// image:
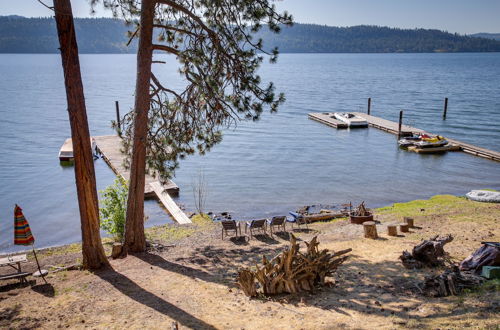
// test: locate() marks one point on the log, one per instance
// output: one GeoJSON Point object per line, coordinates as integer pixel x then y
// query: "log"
{"type": "Point", "coordinates": [403, 227]}
{"type": "Point", "coordinates": [392, 230]}
{"type": "Point", "coordinates": [450, 282]}
{"type": "Point", "coordinates": [370, 229]}
{"type": "Point", "coordinates": [409, 221]}
{"type": "Point", "coordinates": [116, 250]}
{"type": "Point", "coordinates": [429, 253]}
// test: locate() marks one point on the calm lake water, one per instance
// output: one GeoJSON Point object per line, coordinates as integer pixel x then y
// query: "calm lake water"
{"type": "Point", "coordinates": [264, 168]}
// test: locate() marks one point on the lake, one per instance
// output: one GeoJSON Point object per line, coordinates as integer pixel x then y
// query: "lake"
{"type": "Point", "coordinates": [265, 168]}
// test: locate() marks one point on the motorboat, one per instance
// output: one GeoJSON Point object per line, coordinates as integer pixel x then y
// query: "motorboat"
{"type": "Point", "coordinates": [427, 141]}
{"type": "Point", "coordinates": [422, 141]}
{"type": "Point", "coordinates": [350, 119]}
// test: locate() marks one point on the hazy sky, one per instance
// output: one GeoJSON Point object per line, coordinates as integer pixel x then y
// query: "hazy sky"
{"type": "Point", "coordinates": [462, 16]}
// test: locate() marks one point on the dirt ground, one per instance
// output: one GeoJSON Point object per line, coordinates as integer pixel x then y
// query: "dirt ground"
{"type": "Point", "coordinates": [192, 280]}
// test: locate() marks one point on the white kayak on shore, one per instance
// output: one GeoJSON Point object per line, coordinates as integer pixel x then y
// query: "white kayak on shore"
{"type": "Point", "coordinates": [351, 119]}
{"type": "Point", "coordinates": [484, 196]}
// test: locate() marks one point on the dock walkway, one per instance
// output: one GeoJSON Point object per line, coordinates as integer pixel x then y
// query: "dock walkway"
{"type": "Point", "coordinates": [393, 127]}
{"type": "Point", "coordinates": [110, 148]}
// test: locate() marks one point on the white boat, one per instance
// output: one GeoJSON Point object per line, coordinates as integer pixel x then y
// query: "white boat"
{"type": "Point", "coordinates": [351, 119]}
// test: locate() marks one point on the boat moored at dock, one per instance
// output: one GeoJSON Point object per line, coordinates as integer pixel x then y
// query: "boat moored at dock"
{"type": "Point", "coordinates": [351, 119]}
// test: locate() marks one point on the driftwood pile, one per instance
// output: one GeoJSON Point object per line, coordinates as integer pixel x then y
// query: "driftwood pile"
{"type": "Point", "coordinates": [429, 253]}
{"type": "Point", "coordinates": [361, 211]}
{"type": "Point", "coordinates": [291, 271]}
{"type": "Point", "coordinates": [451, 282]}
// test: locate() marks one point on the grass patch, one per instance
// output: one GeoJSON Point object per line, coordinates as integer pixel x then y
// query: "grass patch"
{"type": "Point", "coordinates": [172, 232]}
{"type": "Point", "coordinates": [436, 205]}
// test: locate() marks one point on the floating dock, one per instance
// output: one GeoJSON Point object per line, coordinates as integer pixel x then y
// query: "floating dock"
{"type": "Point", "coordinates": [327, 118]}
{"type": "Point", "coordinates": [393, 128]}
{"type": "Point", "coordinates": [109, 146]}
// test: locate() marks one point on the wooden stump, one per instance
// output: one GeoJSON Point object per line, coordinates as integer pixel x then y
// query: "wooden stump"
{"type": "Point", "coordinates": [370, 229]}
{"type": "Point", "coordinates": [409, 222]}
{"type": "Point", "coordinates": [403, 227]}
{"type": "Point", "coordinates": [392, 230]}
{"type": "Point", "coordinates": [117, 250]}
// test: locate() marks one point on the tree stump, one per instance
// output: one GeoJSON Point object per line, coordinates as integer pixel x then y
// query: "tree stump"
{"type": "Point", "coordinates": [409, 222]}
{"type": "Point", "coordinates": [403, 227]}
{"type": "Point", "coordinates": [370, 229]}
{"type": "Point", "coordinates": [117, 250]}
{"type": "Point", "coordinates": [392, 230]}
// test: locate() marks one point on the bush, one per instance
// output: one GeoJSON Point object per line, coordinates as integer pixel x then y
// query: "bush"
{"type": "Point", "coordinates": [113, 209]}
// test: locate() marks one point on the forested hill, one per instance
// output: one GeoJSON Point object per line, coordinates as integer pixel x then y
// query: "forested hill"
{"type": "Point", "coordinates": [106, 35]}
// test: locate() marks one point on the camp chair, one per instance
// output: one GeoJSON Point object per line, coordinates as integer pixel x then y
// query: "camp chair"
{"type": "Point", "coordinates": [279, 221]}
{"type": "Point", "coordinates": [297, 219]}
{"type": "Point", "coordinates": [228, 225]}
{"type": "Point", "coordinates": [256, 225]}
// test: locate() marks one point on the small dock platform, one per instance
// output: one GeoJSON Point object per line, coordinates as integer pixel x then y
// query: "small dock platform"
{"type": "Point", "coordinates": [327, 118]}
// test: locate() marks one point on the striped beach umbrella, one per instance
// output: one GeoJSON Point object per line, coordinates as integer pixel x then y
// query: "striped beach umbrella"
{"type": "Point", "coordinates": [22, 231]}
{"type": "Point", "coordinates": [23, 236]}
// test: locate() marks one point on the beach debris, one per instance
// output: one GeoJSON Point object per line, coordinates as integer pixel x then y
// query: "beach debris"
{"type": "Point", "coordinates": [487, 255]}
{"type": "Point", "coordinates": [360, 214]}
{"type": "Point", "coordinates": [291, 271]}
{"type": "Point", "coordinates": [451, 282]}
{"type": "Point", "coordinates": [429, 253]}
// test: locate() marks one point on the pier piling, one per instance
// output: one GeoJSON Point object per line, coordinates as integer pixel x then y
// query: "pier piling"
{"type": "Point", "coordinates": [445, 107]}
{"type": "Point", "coordinates": [400, 123]}
{"type": "Point", "coordinates": [118, 123]}
{"type": "Point", "coordinates": [369, 105]}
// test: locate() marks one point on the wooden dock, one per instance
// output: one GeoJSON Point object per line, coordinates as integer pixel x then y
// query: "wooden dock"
{"type": "Point", "coordinates": [169, 203]}
{"type": "Point", "coordinates": [110, 148]}
{"type": "Point", "coordinates": [327, 118]}
{"type": "Point", "coordinates": [393, 127]}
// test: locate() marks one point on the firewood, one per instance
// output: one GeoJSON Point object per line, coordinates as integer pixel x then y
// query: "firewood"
{"type": "Point", "coordinates": [292, 271]}
{"type": "Point", "coordinates": [450, 282]}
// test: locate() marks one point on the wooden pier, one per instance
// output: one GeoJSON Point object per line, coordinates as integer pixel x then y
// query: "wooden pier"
{"type": "Point", "coordinates": [327, 118]}
{"type": "Point", "coordinates": [393, 127]}
{"type": "Point", "coordinates": [109, 146]}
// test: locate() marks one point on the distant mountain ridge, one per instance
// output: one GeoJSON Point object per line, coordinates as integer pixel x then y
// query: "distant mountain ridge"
{"type": "Point", "coordinates": [107, 35]}
{"type": "Point", "coordinates": [494, 36]}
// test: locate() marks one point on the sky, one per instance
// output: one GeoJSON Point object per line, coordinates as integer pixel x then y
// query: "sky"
{"type": "Point", "coordinates": [461, 16]}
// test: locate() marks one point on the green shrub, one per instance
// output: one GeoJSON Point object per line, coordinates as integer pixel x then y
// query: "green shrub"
{"type": "Point", "coordinates": [113, 209]}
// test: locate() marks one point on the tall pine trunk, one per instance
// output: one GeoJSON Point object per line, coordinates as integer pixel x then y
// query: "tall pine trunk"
{"type": "Point", "coordinates": [93, 252]}
{"type": "Point", "coordinates": [135, 240]}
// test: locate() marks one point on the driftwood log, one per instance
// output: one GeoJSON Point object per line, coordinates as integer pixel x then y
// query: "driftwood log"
{"type": "Point", "coordinates": [291, 271]}
{"type": "Point", "coordinates": [451, 282]}
{"type": "Point", "coordinates": [429, 253]}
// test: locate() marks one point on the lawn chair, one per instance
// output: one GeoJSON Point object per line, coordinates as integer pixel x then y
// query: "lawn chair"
{"type": "Point", "coordinates": [228, 225]}
{"type": "Point", "coordinates": [297, 219]}
{"type": "Point", "coordinates": [279, 221]}
{"type": "Point", "coordinates": [259, 225]}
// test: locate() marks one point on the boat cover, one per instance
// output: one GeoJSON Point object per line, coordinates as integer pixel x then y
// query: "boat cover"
{"type": "Point", "coordinates": [484, 196]}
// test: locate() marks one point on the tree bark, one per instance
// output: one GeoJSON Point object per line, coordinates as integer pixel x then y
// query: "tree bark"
{"type": "Point", "coordinates": [135, 240]}
{"type": "Point", "coordinates": [93, 252]}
